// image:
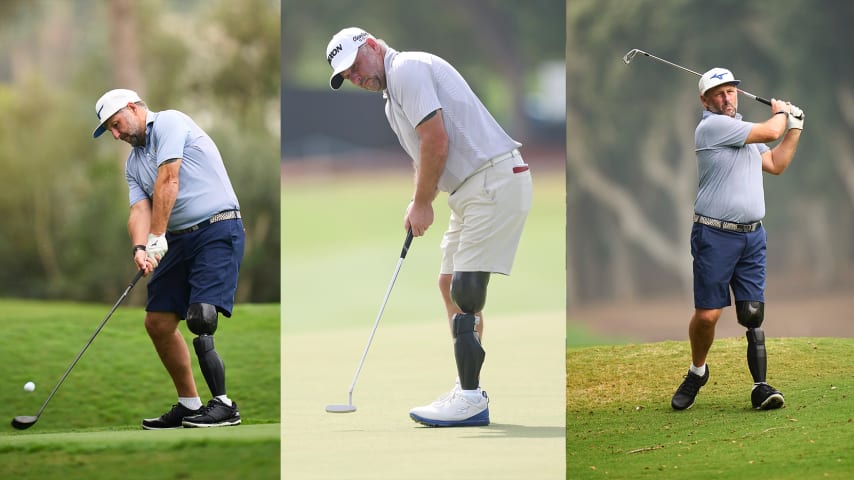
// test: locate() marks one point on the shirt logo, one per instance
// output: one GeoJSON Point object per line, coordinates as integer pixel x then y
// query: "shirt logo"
{"type": "Point", "coordinates": [335, 51]}
{"type": "Point", "coordinates": [719, 76]}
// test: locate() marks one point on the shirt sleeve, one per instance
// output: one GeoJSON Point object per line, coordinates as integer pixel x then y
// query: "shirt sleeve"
{"type": "Point", "coordinates": [726, 131]}
{"type": "Point", "coordinates": [169, 133]}
{"type": "Point", "coordinates": [416, 90]}
{"type": "Point", "coordinates": [135, 191]}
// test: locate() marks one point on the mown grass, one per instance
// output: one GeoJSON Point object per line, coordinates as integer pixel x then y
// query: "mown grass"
{"type": "Point", "coordinates": [120, 380]}
{"type": "Point", "coordinates": [620, 423]}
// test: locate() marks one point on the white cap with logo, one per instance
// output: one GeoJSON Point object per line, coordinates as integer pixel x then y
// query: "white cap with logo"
{"type": "Point", "coordinates": [716, 76]}
{"type": "Point", "coordinates": [342, 50]}
{"type": "Point", "coordinates": [110, 103]}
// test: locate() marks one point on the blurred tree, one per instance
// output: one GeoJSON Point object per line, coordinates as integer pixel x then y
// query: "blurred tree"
{"type": "Point", "coordinates": [496, 44]}
{"type": "Point", "coordinates": [65, 209]}
{"type": "Point", "coordinates": [631, 164]}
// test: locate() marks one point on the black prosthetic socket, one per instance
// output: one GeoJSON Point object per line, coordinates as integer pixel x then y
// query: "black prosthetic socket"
{"type": "Point", "coordinates": [468, 290]}
{"type": "Point", "coordinates": [467, 351]}
{"type": "Point", "coordinates": [211, 364]}
{"type": "Point", "coordinates": [751, 315]}
{"type": "Point", "coordinates": [757, 360]}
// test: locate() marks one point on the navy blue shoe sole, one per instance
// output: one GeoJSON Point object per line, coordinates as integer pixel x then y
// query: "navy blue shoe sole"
{"type": "Point", "coordinates": [479, 420]}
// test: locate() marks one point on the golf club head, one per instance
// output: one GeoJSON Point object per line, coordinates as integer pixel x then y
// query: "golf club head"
{"type": "Point", "coordinates": [24, 422]}
{"type": "Point", "coordinates": [630, 55]}
{"type": "Point", "coordinates": [340, 408]}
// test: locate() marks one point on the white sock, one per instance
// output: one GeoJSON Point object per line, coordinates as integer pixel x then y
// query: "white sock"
{"type": "Point", "coordinates": [193, 403]}
{"type": "Point", "coordinates": [224, 399]}
{"type": "Point", "coordinates": [701, 370]}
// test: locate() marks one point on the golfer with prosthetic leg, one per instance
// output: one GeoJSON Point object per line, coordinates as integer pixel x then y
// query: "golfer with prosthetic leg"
{"type": "Point", "coordinates": [456, 147]}
{"type": "Point", "coordinates": [727, 238]}
{"type": "Point", "coordinates": [187, 234]}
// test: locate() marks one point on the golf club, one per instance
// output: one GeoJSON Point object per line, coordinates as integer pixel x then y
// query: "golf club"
{"type": "Point", "coordinates": [349, 407]}
{"type": "Point", "coordinates": [631, 55]}
{"type": "Point", "coordinates": [25, 421]}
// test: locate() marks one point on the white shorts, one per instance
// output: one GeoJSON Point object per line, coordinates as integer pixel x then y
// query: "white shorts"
{"type": "Point", "coordinates": [488, 212]}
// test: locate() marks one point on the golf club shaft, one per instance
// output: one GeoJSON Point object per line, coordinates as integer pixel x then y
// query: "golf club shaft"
{"type": "Point", "coordinates": [628, 58]}
{"type": "Point", "coordinates": [403, 252]}
{"type": "Point", "coordinates": [92, 338]}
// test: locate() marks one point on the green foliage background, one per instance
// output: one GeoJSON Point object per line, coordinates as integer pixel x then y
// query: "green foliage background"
{"type": "Point", "coordinates": [63, 230]}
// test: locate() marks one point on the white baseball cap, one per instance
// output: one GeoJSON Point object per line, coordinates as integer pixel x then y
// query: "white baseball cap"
{"type": "Point", "coordinates": [110, 103]}
{"type": "Point", "coordinates": [341, 52]}
{"type": "Point", "coordinates": [716, 76]}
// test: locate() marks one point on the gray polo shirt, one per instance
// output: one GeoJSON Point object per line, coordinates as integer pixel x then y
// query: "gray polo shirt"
{"type": "Point", "coordinates": [730, 171]}
{"type": "Point", "coordinates": [417, 84]}
{"type": "Point", "coordinates": [204, 188]}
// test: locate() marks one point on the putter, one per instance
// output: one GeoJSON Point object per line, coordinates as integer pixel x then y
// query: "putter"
{"type": "Point", "coordinates": [631, 55]}
{"type": "Point", "coordinates": [24, 422]}
{"type": "Point", "coordinates": [349, 407]}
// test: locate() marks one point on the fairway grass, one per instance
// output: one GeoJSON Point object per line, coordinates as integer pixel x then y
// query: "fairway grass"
{"type": "Point", "coordinates": [91, 427]}
{"type": "Point", "coordinates": [247, 451]}
{"type": "Point", "coordinates": [620, 424]}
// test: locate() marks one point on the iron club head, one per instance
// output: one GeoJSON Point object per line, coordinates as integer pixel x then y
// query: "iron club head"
{"type": "Point", "coordinates": [630, 55]}
{"type": "Point", "coordinates": [24, 422]}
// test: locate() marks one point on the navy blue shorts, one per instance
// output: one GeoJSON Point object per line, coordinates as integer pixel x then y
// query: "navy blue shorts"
{"type": "Point", "coordinates": [724, 260]}
{"type": "Point", "coordinates": [199, 267]}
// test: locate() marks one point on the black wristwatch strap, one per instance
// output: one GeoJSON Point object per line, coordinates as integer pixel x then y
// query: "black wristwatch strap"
{"type": "Point", "coordinates": [138, 247]}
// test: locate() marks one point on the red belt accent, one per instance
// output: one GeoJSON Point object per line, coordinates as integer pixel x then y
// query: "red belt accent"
{"type": "Point", "coordinates": [520, 169]}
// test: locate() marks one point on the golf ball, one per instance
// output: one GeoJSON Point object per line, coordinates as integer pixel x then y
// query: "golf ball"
{"type": "Point", "coordinates": [29, 386]}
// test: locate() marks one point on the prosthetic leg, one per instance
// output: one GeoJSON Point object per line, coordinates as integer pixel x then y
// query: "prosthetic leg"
{"type": "Point", "coordinates": [220, 411]}
{"type": "Point", "coordinates": [202, 320]}
{"type": "Point", "coordinates": [751, 315]}
{"type": "Point", "coordinates": [468, 290]}
{"type": "Point", "coordinates": [468, 406]}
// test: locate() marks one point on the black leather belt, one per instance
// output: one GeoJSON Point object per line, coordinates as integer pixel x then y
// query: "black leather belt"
{"type": "Point", "coordinates": [224, 215]}
{"type": "Point", "coordinates": [724, 225]}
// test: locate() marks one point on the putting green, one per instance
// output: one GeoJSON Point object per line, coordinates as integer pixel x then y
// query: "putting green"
{"type": "Point", "coordinates": [341, 237]}
{"type": "Point", "coordinates": [410, 365]}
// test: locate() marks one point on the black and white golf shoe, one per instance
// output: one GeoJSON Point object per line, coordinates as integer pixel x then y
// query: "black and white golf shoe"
{"type": "Point", "coordinates": [214, 414]}
{"type": "Point", "coordinates": [170, 419]}
{"type": "Point", "coordinates": [766, 397]}
{"type": "Point", "coordinates": [687, 392]}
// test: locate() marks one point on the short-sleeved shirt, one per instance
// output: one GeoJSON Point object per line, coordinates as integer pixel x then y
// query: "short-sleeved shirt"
{"type": "Point", "coordinates": [418, 84]}
{"type": "Point", "coordinates": [204, 188]}
{"type": "Point", "coordinates": [730, 171]}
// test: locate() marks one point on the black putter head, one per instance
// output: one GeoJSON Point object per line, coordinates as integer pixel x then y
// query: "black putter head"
{"type": "Point", "coordinates": [24, 422]}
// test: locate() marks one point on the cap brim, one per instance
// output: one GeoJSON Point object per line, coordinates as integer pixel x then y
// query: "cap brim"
{"type": "Point", "coordinates": [731, 82]}
{"type": "Point", "coordinates": [336, 80]}
{"type": "Point", "coordinates": [98, 131]}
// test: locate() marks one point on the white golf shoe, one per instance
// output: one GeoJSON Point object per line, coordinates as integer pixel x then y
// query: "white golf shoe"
{"type": "Point", "coordinates": [454, 410]}
{"type": "Point", "coordinates": [445, 396]}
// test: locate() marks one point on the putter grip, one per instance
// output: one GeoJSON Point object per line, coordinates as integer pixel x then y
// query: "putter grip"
{"type": "Point", "coordinates": [406, 244]}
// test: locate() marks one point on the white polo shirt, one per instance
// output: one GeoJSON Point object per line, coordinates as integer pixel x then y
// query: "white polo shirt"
{"type": "Point", "coordinates": [419, 83]}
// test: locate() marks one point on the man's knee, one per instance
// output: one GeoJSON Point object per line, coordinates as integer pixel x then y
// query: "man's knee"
{"type": "Point", "coordinates": [750, 314]}
{"type": "Point", "coordinates": [160, 324]}
{"type": "Point", "coordinates": [202, 318]}
{"type": "Point", "coordinates": [468, 290]}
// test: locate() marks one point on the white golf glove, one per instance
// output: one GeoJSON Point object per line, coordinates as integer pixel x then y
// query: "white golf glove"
{"type": "Point", "coordinates": [156, 248]}
{"type": "Point", "coordinates": [792, 119]}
